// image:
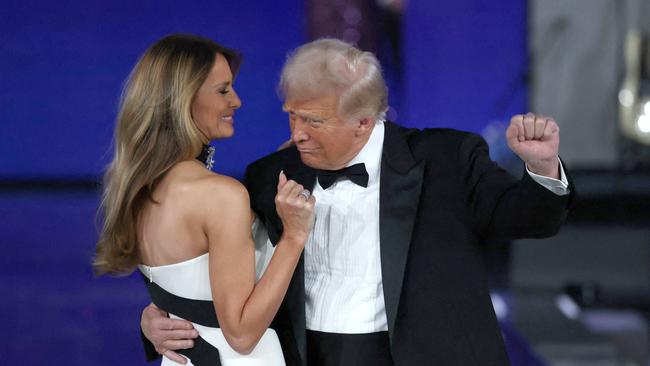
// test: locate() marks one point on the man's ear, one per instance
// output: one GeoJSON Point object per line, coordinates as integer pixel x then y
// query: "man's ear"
{"type": "Point", "coordinates": [365, 125]}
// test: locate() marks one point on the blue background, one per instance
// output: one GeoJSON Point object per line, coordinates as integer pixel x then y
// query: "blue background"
{"type": "Point", "coordinates": [63, 65]}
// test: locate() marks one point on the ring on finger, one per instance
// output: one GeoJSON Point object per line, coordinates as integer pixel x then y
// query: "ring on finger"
{"type": "Point", "coordinates": [305, 193]}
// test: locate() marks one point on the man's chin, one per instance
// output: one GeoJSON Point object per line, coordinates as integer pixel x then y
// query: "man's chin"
{"type": "Point", "coordinates": [309, 160]}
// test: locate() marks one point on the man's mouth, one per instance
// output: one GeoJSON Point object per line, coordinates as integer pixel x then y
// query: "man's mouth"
{"type": "Point", "coordinates": [306, 150]}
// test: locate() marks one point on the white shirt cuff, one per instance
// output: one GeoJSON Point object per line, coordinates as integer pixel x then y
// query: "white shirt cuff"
{"type": "Point", "coordinates": [559, 187]}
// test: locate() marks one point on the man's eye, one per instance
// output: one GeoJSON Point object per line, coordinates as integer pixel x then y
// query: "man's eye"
{"type": "Point", "coordinates": [224, 91]}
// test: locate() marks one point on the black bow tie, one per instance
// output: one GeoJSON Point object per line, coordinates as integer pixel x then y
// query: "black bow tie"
{"type": "Point", "coordinates": [356, 173]}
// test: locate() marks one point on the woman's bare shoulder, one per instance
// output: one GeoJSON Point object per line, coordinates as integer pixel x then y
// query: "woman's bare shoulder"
{"type": "Point", "coordinates": [217, 191]}
{"type": "Point", "coordinates": [193, 186]}
{"type": "Point", "coordinates": [222, 187]}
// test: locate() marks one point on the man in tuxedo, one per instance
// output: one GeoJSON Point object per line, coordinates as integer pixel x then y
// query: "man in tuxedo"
{"type": "Point", "coordinates": [392, 273]}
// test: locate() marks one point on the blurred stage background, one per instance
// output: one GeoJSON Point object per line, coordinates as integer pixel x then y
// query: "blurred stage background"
{"type": "Point", "coordinates": [581, 298]}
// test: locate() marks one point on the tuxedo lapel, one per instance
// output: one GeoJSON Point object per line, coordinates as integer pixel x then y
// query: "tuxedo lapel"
{"type": "Point", "coordinates": [400, 187]}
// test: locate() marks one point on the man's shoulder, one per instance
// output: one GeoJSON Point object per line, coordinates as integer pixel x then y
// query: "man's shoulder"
{"type": "Point", "coordinates": [435, 137]}
{"type": "Point", "coordinates": [274, 159]}
{"type": "Point", "coordinates": [263, 172]}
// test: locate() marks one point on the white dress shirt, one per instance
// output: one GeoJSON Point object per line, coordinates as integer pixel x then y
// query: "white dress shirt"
{"type": "Point", "coordinates": [343, 287]}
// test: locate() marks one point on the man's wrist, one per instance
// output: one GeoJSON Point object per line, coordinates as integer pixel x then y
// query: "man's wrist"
{"type": "Point", "coordinates": [547, 168]}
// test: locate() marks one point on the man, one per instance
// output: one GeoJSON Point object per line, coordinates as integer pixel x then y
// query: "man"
{"type": "Point", "coordinates": [391, 274]}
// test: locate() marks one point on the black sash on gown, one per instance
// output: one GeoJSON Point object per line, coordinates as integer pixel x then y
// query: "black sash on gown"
{"type": "Point", "coordinates": [196, 311]}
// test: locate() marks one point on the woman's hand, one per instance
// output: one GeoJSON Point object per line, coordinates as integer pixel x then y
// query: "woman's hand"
{"type": "Point", "coordinates": [295, 206]}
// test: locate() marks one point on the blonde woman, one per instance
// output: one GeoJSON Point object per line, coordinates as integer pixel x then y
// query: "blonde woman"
{"type": "Point", "coordinates": [185, 227]}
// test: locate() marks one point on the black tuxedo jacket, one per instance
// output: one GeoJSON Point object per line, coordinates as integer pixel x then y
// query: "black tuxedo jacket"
{"type": "Point", "coordinates": [440, 197]}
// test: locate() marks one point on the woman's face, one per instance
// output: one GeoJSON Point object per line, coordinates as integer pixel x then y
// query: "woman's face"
{"type": "Point", "coordinates": [214, 104]}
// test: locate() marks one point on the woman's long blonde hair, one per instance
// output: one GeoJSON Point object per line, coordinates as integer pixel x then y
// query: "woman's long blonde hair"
{"type": "Point", "coordinates": [154, 131]}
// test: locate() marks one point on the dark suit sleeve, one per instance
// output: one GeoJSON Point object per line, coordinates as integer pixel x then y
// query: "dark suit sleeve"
{"type": "Point", "coordinates": [261, 182]}
{"type": "Point", "coordinates": [503, 207]}
{"type": "Point", "coordinates": [250, 185]}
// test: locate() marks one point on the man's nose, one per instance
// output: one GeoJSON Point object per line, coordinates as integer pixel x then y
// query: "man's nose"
{"type": "Point", "coordinates": [298, 133]}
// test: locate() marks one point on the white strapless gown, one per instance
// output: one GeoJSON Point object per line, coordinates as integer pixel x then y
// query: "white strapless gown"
{"type": "Point", "coordinates": [190, 279]}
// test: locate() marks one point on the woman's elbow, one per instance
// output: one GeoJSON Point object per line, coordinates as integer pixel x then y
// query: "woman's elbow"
{"type": "Point", "coordinates": [243, 344]}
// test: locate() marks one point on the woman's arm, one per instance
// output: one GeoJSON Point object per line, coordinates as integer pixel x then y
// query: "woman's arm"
{"type": "Point", "coordinates": [245, 308]}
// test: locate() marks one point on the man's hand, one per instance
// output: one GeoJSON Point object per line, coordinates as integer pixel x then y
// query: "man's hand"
{"type": "Point", "coordinates": [536, 140]}
{"type": "Point", "coordinates": [167, 335]}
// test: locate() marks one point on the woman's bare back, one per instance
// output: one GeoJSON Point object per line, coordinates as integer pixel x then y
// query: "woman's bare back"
{"type": "Point", "coordinates": [172, 229]}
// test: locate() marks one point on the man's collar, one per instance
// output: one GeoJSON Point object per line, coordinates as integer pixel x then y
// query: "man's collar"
{"type": "Point", "coordinates": [370, 154]}
{"type": "Point", "coordinates": [397, 152]}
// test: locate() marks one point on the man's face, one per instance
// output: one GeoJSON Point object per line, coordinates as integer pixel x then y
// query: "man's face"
{"type": "Point", "coordinates": [323, 138]}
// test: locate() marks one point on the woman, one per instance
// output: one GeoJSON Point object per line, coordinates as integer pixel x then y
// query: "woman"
{"type": "Point", "coordinates": [188, 227]}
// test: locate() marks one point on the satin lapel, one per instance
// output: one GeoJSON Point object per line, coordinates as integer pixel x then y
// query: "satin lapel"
{"type": "Point", "coordinates": [295, 298]}
{"type": "Point", "coordinates": [400, 187]}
